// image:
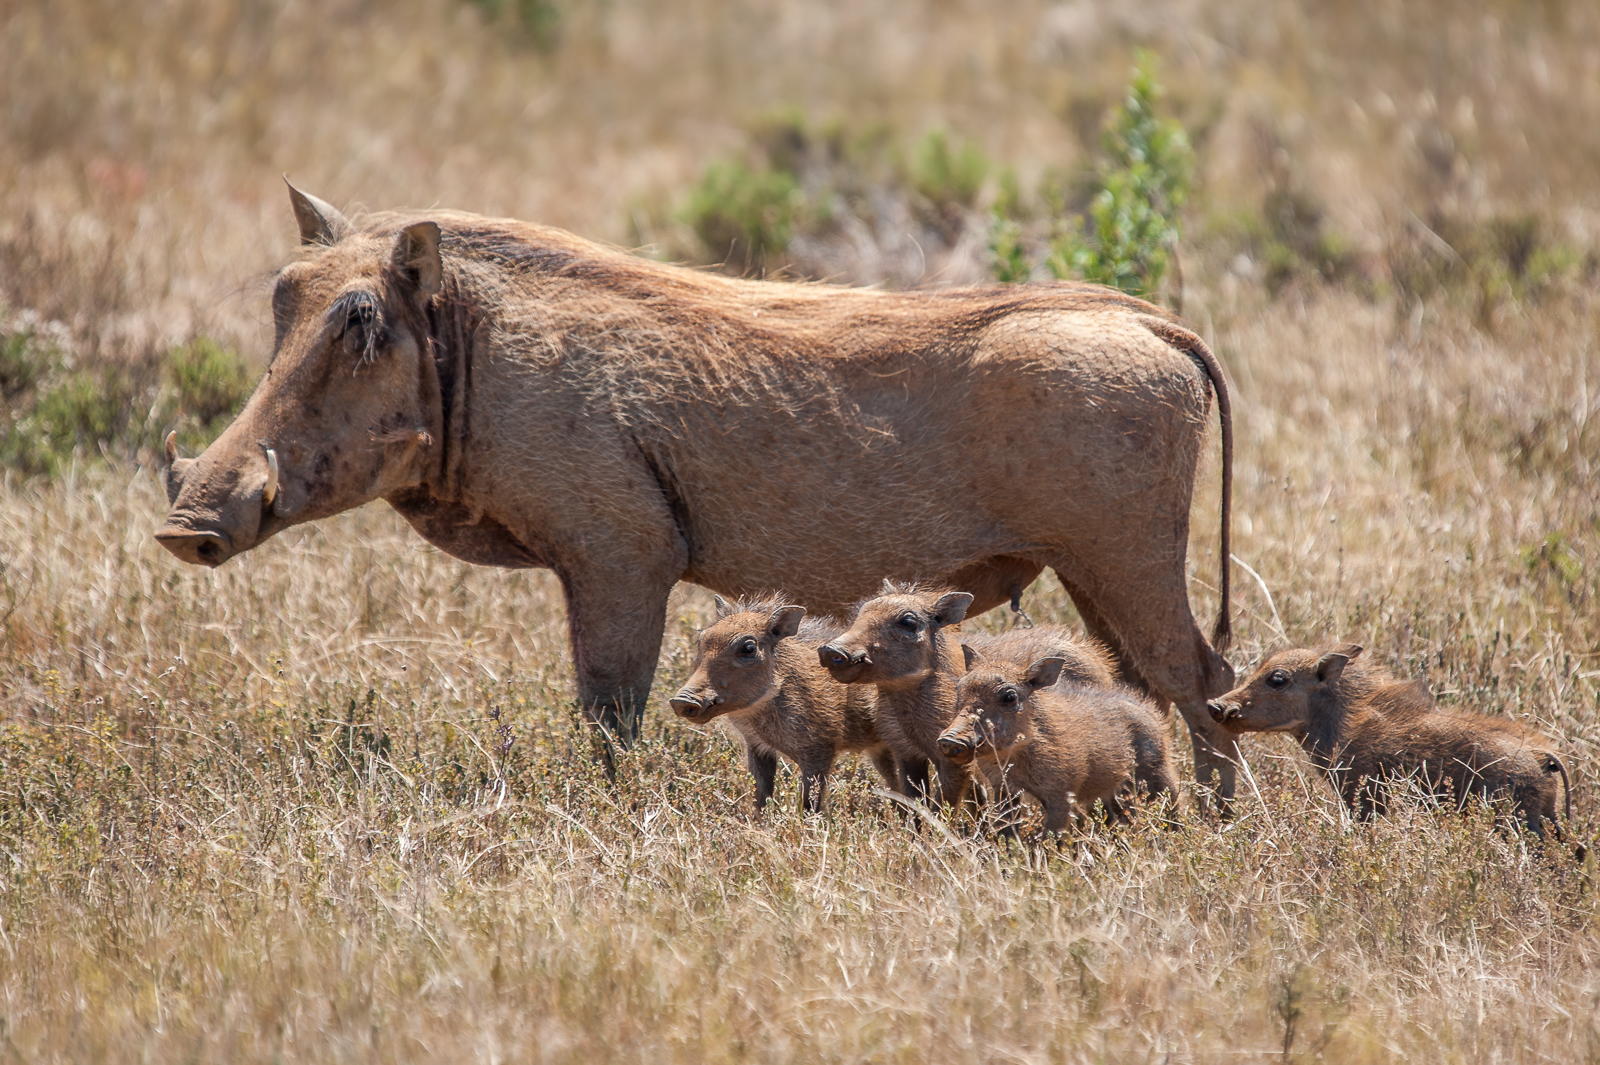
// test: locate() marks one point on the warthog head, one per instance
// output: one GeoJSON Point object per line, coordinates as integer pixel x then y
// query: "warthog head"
{"type": "Point", "coordinates": [1283, 693]}
{"type": "Point", "coordinates": [735, 664]}
{"type": "Point", "coordinates": [890, 643]}
{"type": "Point", "coordinates": [993, 706]}
{"type": "Point", "coordinates": [349, 408]}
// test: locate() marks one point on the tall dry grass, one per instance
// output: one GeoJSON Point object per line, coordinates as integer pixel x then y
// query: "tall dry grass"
{"type": "Point", "coordinates": [332, 801]}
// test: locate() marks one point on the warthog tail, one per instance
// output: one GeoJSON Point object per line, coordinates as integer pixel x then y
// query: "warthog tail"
{"type": "Point", "coordinates": [1186, 341]}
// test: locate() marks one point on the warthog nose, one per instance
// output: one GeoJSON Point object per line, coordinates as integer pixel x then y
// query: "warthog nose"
{"type": "Point", "coordinates": [686, 704]}
{"type": "Point", "coordinates": [952, 746]}
{"type": "Point", "coordinates": [196, 548]}
{"type": "Point", "coordinates": [838, 658]}
{"type": "Point", "coordinates": [1221, 711]}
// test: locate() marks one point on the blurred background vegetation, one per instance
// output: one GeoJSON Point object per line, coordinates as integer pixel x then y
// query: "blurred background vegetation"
{"type": "Point", "coordinates": [1409, 152]}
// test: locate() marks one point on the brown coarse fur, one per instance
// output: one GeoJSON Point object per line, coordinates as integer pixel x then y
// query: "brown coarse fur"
{"type": "Point", "coordinates": [1365, 731]}
{"type": "Point", "coordinates": [756, 667]}
{"type": "Point", "coordinates": [1030, 728]}
{"type": "Point", "coordinates": [524, 397]}
{"type": "Point", "coordinates": [903, 643]}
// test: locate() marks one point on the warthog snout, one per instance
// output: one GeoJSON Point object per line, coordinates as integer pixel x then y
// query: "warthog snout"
{"type": "Point", "coordinates": [690, 705]}
{"type": "Point", "coordinates": [196, 548]}
{"type": "Point", "coordinates": [844, 664]}
{"type": "Point", "coordinates": [958, 749]}
{"type": "Point", "coordinates": [1222, 712]}
{"type": "Point", "coordinates": [838, 657]}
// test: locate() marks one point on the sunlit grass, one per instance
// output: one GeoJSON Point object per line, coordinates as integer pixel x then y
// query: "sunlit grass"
{"type": "Point", "coordinates": [333, 802]}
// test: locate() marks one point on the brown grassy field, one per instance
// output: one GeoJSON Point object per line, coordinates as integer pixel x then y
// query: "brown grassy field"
{"type": "Point", "coordinates": [332, 802]}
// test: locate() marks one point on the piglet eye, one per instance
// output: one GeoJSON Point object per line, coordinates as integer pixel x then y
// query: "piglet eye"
{"type": "Point", "coordinates": [909, 621]}
{"type": "Point", "coordinates": [1277, 679]}
{"type": "Point", "coordinates": [1008, 696]}
{"type": "Point", "coordinates": [747, 647]}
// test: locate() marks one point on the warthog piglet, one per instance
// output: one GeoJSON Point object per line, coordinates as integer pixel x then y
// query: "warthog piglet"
{"type": "Point", "coordinates": [899, 643]}
{"type": "Point", "coordinates": [757, 666]}
{"type": "Point", "coordinates": [1363, 729]}
{"type": "Point", "coordinates": [1065, 743]}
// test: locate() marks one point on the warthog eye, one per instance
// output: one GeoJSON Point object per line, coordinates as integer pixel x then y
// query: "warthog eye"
{"type": "Point", "coordinates": [1277, 679]}
{"type": "Point", "coordinates": [360, 325]}
{"type": "Point", "coordinates": [910, 622]}
{"type": "Point", "coordinates": [746, 647]}
{"type": "Point", "coordinates": [1008, 698]}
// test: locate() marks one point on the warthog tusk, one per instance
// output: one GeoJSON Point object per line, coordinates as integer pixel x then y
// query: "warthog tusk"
{"type": "Point", "coordinates": [270, 492]}
{"type": "Point", "coordinates": [172, 447]}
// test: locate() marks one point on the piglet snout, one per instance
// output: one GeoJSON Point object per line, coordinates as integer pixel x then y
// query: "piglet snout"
{"type": "Point", "coordinates": [835, 657]}
{"type": "Point", "coordinates": [1222, 712]}
{"type": "Point", "coordinates": [689, 704]}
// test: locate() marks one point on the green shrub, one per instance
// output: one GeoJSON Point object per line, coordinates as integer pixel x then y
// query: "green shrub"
{"type": "Point", "coordinates": [81, 410]}
{"type": "Point", "coordinates": [1007, 257]}
{"type": "Point", "coordinates": [210, 380]}
{"type": "Point", "coordinates": [734, 203]}
{"type": "Point", "coordinates": [1507, 257]}
{"type": "Point", "coordinates": [538, 21]}
{"type": "Point", "coordinates": [23, 362]}
{"type": "Point", "coordinates": [1133, 218]}
{"type": "Point", "coordinates": [948, 176]}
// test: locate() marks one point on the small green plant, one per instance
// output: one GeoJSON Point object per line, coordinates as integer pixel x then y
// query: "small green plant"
{"type": "Point", "coordinates": [945, 174]}
{"type": "Point", "coordinates": [745, 215]}
{"type": "Point", "coordinates": [1007, 256]}
{"type": "Point", "coordinates": [537, 20]}
{"type": "Point", "coordinates": [947, 180]}
{"type": "Point", "coordinates": [1133, 220]}
{"type": "Point", "coordinates": [211, 381]}
{"type": "Point", "coordinates": [84, 410]}
{"type": "Point", "coordinates": [23, 361]}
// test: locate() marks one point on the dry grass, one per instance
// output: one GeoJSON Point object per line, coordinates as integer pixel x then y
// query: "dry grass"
{"type": "Point", "coordinates": [331, 801]}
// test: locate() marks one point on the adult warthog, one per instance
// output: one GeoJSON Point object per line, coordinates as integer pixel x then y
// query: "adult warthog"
{"type": "Point", "coordinates": [524, 397]}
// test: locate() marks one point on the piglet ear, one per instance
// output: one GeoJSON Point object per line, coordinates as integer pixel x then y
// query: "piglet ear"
{"type": "Point", "coordinates": [1331, 665]}
{"type": "Point", "coordinates": [888, 588]}
{"type": "Point", "coordinates": [416, 257]}
{"type": "Point", "coordinates": [951, 608]}
{"type": "Point", "coordinates": [1044, 673]}
{"type": "Point", "coordinates": [971, 657]}
{"type": "Point", "coordinates": [724, 608]}
{"type": "Point", "coordinates": [785, 621]}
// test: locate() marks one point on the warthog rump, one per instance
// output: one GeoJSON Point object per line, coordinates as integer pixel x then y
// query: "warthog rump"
{"type": "Point", "coordinates": [524, 397]}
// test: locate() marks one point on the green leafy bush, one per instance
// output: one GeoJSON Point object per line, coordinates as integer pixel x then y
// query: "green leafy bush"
{"type": "Point", "coordinates": [744, 215]}
{"type": "Point", "coordinates": [210, 380]}
{"type": "Point", "coordinates": [51, 409]}
{"type": "Point", "coordinates": [1133, 219]}
{"type": "Point", "coordinates": [23, 361]}
{"type": "Point", "coordinates": [1007, 257]}
{"type": "Point", "coordinates": [538, 21]}
{"type": "Point", "coordinates": [946, 180]}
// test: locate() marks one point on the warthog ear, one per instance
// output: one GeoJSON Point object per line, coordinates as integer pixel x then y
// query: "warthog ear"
{"type": "Point", "coordinates": [416, 257]}
{"type": "Point", "coordinates": [1044, 673]}
{"type": "Point", "coordinates": [970, 656]}
{"type": "Point", "coordinates": [951, 608]}
{"type": "Point", "coordinates": [1332, 664]}
{"type": "Point", "coordinates": [888, 588]}
{"type": "Point", "coordinates": [724, 608]}
{"type": "Point", "coordinates": [320, 221]}
{"type": "Point", "coordinates": [785, 621]}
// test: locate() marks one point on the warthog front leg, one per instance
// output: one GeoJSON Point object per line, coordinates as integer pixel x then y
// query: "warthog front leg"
{"type": "Point", "coordinates": [616, 622]}
{"type": "Point", "coordinates": [764, 767]}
